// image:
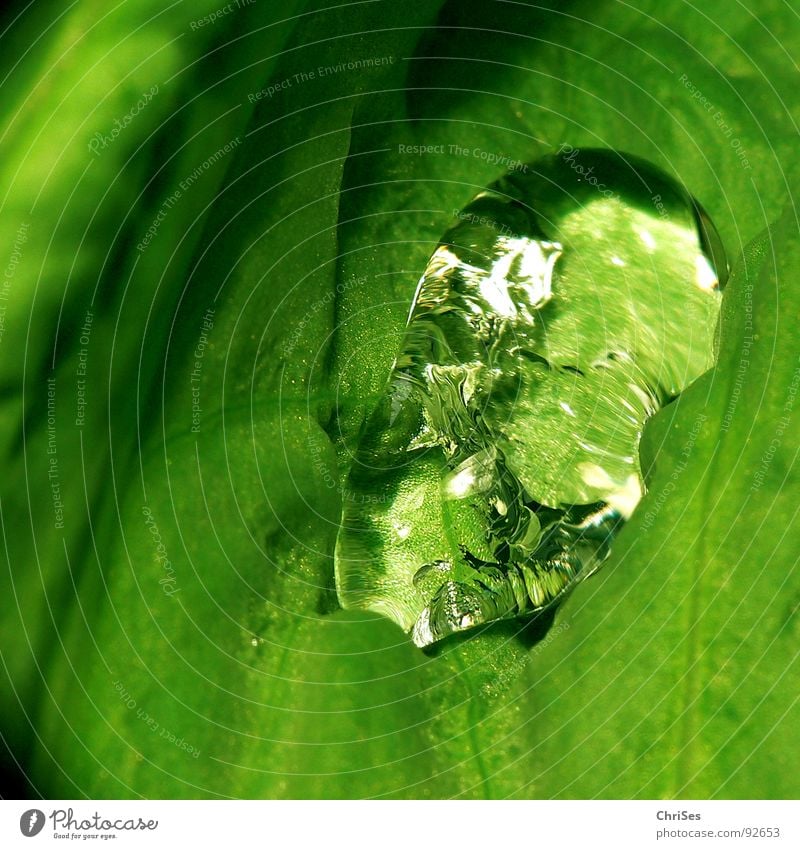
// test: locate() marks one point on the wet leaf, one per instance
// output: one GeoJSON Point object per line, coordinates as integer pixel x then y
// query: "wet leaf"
{"type": "Point", "coordinates": [179, 635]}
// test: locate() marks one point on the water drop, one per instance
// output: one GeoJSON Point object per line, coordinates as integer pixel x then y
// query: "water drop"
{"type": "Point", "coordinates": [572, 299]}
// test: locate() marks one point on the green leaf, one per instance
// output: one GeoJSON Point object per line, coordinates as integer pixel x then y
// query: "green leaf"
{"type": "Point", "coordinates": [179, 635]}
{"type": "Point", "coordinates": [684, 649]}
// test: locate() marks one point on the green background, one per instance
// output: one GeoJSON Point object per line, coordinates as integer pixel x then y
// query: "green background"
{"type": "Point", "coordinates": [197, 650]}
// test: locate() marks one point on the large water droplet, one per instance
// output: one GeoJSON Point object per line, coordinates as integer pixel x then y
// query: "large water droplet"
{"type": "Point", "coordinates": [572, 299]}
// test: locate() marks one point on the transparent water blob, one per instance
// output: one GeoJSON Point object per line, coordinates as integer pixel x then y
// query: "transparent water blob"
{"type": "Point", "coordinates": [569, 302]}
